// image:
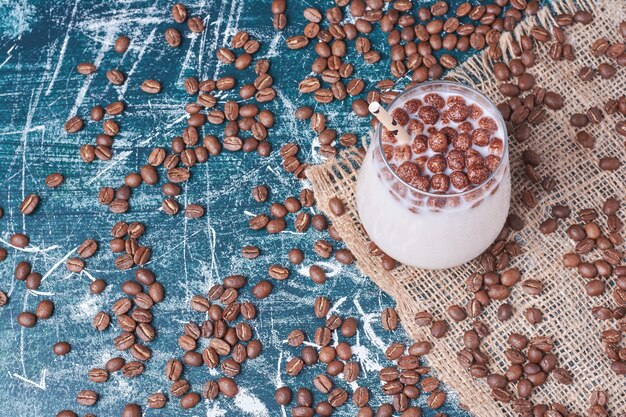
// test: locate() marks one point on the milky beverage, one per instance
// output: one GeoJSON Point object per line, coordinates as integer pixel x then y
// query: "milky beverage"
{"type": "Point", "coordinates": [441, 200]}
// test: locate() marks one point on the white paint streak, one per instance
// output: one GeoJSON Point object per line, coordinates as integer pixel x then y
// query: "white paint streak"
{"type": "Point", "coordinates": [9, 56]}
{"type": "Point", "coordinates": [31, 248]}
{"type": "Point", "coordinates": [57, 264]}
{"type": "Point", "coordinates": [250, 404]}
{"type": "Point", "coordinates": [117, 159]}
{"type": "Point", "coordinates": [42, 379]}
{"type": "Point", "coordinates": [66, 39]}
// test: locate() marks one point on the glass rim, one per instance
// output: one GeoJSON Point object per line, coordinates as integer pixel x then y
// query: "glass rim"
{"type": "Point", "coordinates": [499, 120]}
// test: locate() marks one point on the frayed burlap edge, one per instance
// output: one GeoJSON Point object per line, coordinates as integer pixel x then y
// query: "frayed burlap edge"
{"type": "Point", "coordinates": [580, 184]}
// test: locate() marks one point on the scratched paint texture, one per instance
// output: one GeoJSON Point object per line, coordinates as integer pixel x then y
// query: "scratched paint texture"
{"type": "Point", "coordinates": [40, 45]}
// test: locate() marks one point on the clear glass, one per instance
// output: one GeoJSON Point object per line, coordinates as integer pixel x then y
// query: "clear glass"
{"type": "Point", "coordinates": [427, 230]}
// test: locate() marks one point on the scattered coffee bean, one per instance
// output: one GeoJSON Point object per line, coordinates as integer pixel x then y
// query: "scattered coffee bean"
{"type": "Point", "coordinates": [61, 348]}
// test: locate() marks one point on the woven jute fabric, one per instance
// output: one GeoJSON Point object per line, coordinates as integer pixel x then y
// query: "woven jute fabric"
{"type": "Point", "coordinates": [580, 184]}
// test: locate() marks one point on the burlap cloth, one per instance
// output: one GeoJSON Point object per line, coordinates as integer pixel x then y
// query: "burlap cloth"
{"type": "Point", "coordinates": [580, 183]}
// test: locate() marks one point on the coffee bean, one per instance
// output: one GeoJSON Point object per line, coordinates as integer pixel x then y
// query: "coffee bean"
{"type": "Point", "coordinates": [115, 77]}
{"type": "Point", "coordinates": [321, 307]}
{"type": "Point", "coordinates": [87, 398]}
{"type": "Point", "coordinates": [97, 114]}
{"type": "Point", "coordinates": [423, 318]}
{"type": "Point", "coordinates": [22, 270]}
{"type": "Point", "coordinates": [33, 280]}
{"type": "Point", "coordinates": [121, 44]}
{"type": "Point", "coordinates": [151, 86]}
{"type": "Point", "coordinates": [86, 68]}
{"type": "Point", "coordinates": [227, 387]}
{"type": "Point", "coordinates": [19, 240]}
{"type": "Point", "coordinates": [389, 318]}
{"type": "Point", "coordinates": [317, 274]}
{"type": "Point", "coordinates": [609, 163]}
{"type": "Point", "coordinates": [606, 71]}
{"type": "Point", "coordinates": [26, 319]}
{"type": "Point", "coordinates": [131, 410]}
{"type": "Point", "coordinates": [225, 55]}
{"type": "Point", "coordinates": [562, 376]}
{"type": "Point", "coordinates": [336, 206]}
{"type": "Point", "coordinates": [156, 400]}
{"type": "Point", "coordinates": [45, 309]}
{"type": "Point", "coordinates": [515, 222]}
{"type": "Point", "coordinates": [98, 375]}
{"type": "Point", "coordinates": [189, 400]}
{"type": "Point", "coordinates": [439, 328]}
{"type": "Point", "coordinates": [194, 211]}
{"type": "Point", "coordinates": [262, 289]}
{"type": "Point", "coordinates": [295, 338]}
{"type": "Point", "coordinates": [101, 321]}
{"type": "Point", "coordinates": [297, 42]}
{"type": "Point", "coordinates": [278, 272]}
{"type": "Point", "coordinates": [29, 204]}
{"type": "Point", "coordinates": [195, 24]}
{"type": "Point", "coordinates": [260, 193]}
{"type": "Point", "coordinates": [179, 13]}
{"type": "Point", "coordinates": [61, 348]}
{"type": "Point", "coordinates": [54, 180]}
{"type": "Point", "coordinates": [533, 315]}
{"type": "Point", "coordinates": [87, 248]}
{"type": "Point", "coordinates": [133, 369]}
{"type": "Point", "coordinates": [283, 396]}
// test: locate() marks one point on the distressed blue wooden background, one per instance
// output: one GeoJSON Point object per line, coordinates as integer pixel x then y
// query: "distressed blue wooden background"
{"type": "Point", "coordinates": [40, 44]}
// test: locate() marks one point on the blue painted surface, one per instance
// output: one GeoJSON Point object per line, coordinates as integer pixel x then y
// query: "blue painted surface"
{"type": "Point", "coordinates": [40, 45]}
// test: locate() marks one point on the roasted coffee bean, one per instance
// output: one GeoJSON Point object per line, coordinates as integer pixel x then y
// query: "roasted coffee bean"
{"type": "Point", "coordinates": [22, 270]}
{"type": "Point", "coordinates": [96, 113]}
{"type": "Point", "coordinates": [73, 124]}
{"type": "Point", "coordinates": [101, 321]}
{"type": "Point", "coordinates": [98, 375]}
{"type": "Point", "coordinates": [394, 351]}
{"type": "Point", "coordinates": [533, 315]}
{"type": "Point", "coordinates": [532, 286]}
{"type": "Point", "coordinates": [29, 204]}
{"type": "Point", "coordinates": [156, 400]}
{"type": "Point", "coordinates": [389, 318]}
{"type": "Point", "coordinates": [45, 309]}
{"type": "Point", "coordinates": [439, 328]}
{"type": "Point", "coordinates": [609, 163]}
{"type": "Point", "coordinates": [195, 24]}
{"type": "Point", "coordinates": [179, 13]}
{"type": "Point", "coordinates": [20, 240]}
{"type": "Point", "coordinates": [86, 68]}
{"type": "Point", "coordinates": [321, 307]}
{"type": "Point", "coordinates": [278, 272]}
{"type": "Point", "coordinates": [423, 318]}
{"type": "Point", "coordinates": [121, 44]}
{"type": "Point", "coordinates": [227, 387]}
{"type": "Point", "coordinates": [194, 211]}
{"type": "Point", "coordinates": [87, 398]}
{"type": "Point", "coordinates": [189, 400]}
{"type": "Point", "coordinates": [61, 348]}
{"type": "Point", "coordinates": [87, 248]}
{"type": "Point", "coordinates": [54, 180]}
{"type": "Point", "coordinates": [317, 274]}
{"type": "Point", "coordinates": [114, 364]}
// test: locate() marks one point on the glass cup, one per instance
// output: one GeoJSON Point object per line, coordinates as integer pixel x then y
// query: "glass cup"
{"type": "Point", "coordinates": [429, 230]}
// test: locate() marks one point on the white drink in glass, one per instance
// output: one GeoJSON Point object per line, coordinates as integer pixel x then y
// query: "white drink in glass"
{"type": "Point", "coordinates": [426, 229]}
